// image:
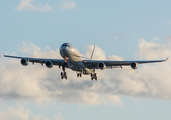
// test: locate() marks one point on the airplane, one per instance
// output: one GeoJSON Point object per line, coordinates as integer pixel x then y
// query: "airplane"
{"type": "Point", "coordinates": [76, 61]}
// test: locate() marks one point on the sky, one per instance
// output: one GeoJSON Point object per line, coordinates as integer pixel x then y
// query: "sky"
{"type": "Point", "coordinates": [122, 30]}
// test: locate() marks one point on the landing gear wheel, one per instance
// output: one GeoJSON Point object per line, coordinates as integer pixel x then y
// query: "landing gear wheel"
{"type": "Point", "coordinates": [93, 76]}
{"type": "Point", "coordinates": [63, 75]}
{"type": "Point", "coordinates": [77, 74]}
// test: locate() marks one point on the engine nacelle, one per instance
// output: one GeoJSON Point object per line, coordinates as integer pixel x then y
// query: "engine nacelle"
{"type": "Point", "coordinates": [102, 66]}
{"type": "Point", "coordinates": [134, 65]}
{"type": "Point", "coordinates": [24, 62]}
{"type": "Point", "coordinates": [49, 64]}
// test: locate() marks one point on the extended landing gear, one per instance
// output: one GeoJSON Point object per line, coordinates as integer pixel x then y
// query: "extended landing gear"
{"type": "Point", "coordinates": [93, 76]}
{"type": "Point", "coordinates": [63, 74]}
{"type": "Point", "coordinates": [79, 74]}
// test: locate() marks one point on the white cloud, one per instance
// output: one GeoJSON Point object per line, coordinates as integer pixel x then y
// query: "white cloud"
{"type": "Point", "coordinates": [114, 100]}
{"type": "Point", "coordinates": [59, 116]}
{"type": "Point", "coordinates": [21, 113]}
{"type": "Point", "coordinates": [39, 117]}
{"type": "Point", "coordinates": [155, 39]}
{"type": "Point", "coordinates": [42, 84]}
{"type": "Point", "coordinates": [152, 50]}
{"type": "Point", "coordinates": [11, 114]}
{"type": "Point", "coordinates": [115, 36]}
{"type": "Point", "coordinates": [114, 57]}
{"type": "Point", "coordinates": [168, 38]}
{"type": "Point", "coordinates": [67, 4]}
{"type": "Point", "coordinates": [26, 5]}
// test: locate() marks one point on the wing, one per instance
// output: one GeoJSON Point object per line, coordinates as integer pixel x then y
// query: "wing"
{"type": "Point", "coordinates": [59, 62]}
{"type": "Point", "coordinates": [95, 63]}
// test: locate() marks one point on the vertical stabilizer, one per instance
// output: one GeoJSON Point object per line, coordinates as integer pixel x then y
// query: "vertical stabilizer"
{"type": "Point", "coordinates": [93, 52]}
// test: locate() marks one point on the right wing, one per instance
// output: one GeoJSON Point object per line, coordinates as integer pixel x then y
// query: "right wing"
{"type": "Point", "coordinates": [59, 62]}
{"type": "Point", "coordinates": [95, 63]}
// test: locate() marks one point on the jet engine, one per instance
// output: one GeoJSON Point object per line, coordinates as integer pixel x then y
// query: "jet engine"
{"type": "Point", "coordinates": [134, 65]}
{"type": "Point", "coordinates": [49, 64]}
{"type": "Point", "coordinates": [102, 66]}
{"type": "Point", "coordinates": [24, 62]}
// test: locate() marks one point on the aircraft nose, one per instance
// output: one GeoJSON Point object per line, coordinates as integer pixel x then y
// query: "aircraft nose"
{"type": "Point", "coordinates": [64, 51]}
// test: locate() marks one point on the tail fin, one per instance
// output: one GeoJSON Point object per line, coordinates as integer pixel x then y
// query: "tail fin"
{"type": "Point", "coordinates": [93, 52]}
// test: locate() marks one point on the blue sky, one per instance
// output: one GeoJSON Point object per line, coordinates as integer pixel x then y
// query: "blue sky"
{"type": "Point", "coordinates": [122, 30]}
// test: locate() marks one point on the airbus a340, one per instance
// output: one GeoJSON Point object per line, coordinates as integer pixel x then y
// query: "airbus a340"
{"type": "Point", "coordinates": [76, 61]}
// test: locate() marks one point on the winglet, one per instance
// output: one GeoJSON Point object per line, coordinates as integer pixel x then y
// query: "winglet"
{"type": "Point", "coordinates": [166, 59]}
{"type": "Point", "coordinates": [2, 55]}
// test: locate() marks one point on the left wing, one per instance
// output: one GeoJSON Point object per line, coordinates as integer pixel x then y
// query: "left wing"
{"type": "Point", "coordinates": [59, 62]}
{"type": "Point", "coordinates": [101, 64]}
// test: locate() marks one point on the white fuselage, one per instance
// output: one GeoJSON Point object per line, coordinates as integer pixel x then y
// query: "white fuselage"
{"type": "Point", "coordinates": [74, 58]}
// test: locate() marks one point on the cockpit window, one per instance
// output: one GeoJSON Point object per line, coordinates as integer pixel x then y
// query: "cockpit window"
{"type": "Point", "coordinates": [65, 45]}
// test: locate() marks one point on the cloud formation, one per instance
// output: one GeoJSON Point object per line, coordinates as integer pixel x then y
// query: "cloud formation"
{"type": "Point", "coordinates": [168, 39]}
{"type": "Point", "coordinates": [21, 113]}
{"type": "Point", "coordinates": [11, 113]}
{"type": "Point", "coordinates": [152, 50]}
{"type": "Point", "coordinates": [155, 39]}
{"type": "Point", "coordinates": [67, 4]}
{"type": "Point", "coordinates": [27, 5]}
{"type": "Point", "coordinates": [38, 83]}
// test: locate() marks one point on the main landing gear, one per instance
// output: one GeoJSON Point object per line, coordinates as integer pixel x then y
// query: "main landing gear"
{"type": "Point", "coordinates": [93, 76]}
{"type": "Point", "coordinates": [79, 74]}
{"type": "Point", "coordinates": [63, 74]}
